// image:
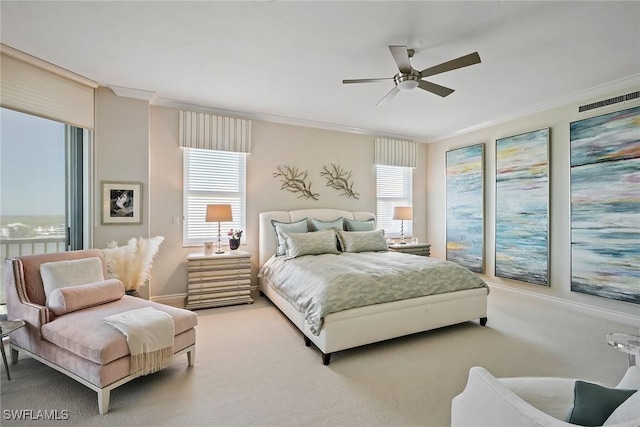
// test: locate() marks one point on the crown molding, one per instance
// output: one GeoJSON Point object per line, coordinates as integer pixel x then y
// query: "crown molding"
{"type": "Point", "coordinates": [272, 118]}
{"type": "Point", "coordinates": [582, 97]}
{"type": "Point", "coordinates": [127, 92]}
{"type": "Point", "coordinates": [578, 98]}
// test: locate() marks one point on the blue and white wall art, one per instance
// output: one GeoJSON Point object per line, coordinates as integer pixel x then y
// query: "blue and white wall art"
{"type": "Point", "coordinates": [605, 205]}
{"type": "Point", "coordinates": [465, 207]}
{"type": "Point", "coordinates": [522, 207]}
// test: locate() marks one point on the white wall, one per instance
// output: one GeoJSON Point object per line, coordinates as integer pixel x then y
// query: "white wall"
{"type": "Point", "coordinates": [558, 120]}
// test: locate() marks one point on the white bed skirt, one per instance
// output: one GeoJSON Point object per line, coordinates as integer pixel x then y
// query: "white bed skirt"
{"type": "Point", "coordinates": [365, 325]}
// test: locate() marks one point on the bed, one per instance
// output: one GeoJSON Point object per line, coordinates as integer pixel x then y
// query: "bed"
{"type": "Point", "coordinates": [353, 327]}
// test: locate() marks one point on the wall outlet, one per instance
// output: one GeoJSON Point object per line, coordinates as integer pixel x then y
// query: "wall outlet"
{"type": "Point", "coordinates": [175, 220]}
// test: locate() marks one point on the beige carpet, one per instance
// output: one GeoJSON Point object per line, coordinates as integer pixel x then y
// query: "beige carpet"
{"type": "Point", "coordinates": [252, 368]}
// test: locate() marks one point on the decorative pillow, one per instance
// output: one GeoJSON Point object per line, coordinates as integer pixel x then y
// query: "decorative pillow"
{"type": "Point", "coordinates": [593, 403]}
{"type": "Point", "coordinates": [353, 225]}
{"type": "Point", "coordinates": [362, 241]}
{"type": "Point", "coordinates": [321, 242]}
{"type": "Point", "coordinates": [74, 272]}
{"type": "Point", "coordinates": [288, 227]}
{"type": "Point", "coordinates": [317, 225]}
{"type": "Point", "coordinates": [627, 411]}
{"type": "Point", "coordinates": [73, 298]}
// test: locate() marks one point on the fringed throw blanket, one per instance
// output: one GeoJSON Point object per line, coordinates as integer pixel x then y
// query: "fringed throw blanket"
{"type": "Point", "coordinates": [149, 334]}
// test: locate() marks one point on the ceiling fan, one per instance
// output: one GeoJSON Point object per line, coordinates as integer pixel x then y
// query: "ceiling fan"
{"type": "Point", "coordinates": [409, 78]}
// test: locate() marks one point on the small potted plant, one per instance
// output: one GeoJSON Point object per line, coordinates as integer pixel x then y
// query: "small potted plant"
{"type": "Point", "coordinates": [234, 239]}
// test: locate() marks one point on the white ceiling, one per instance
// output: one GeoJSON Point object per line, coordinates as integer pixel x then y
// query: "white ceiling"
{"type": "Point", "coordinates": [285, 61]}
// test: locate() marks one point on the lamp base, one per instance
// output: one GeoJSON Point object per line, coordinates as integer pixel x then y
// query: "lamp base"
{"type": "Point", "coordinates": [208, 248]}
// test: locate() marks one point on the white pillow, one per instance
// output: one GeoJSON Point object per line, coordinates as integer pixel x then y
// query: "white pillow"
{"type": "Point", "coordinates": [75, 272]}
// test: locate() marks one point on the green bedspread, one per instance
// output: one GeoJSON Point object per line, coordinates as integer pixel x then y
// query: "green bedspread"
{"type": "Point", "coordinates": [318, 285]}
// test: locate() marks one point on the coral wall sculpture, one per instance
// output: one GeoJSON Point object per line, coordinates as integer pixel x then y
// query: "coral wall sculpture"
{"type": "Point", "coordinates": [339, 179]}
{"type": "Point", "coordinates": [295, 181]}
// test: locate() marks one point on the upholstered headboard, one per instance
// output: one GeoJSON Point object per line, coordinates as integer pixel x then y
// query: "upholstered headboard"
{"type": "Point", "coordinates": [268, 243]}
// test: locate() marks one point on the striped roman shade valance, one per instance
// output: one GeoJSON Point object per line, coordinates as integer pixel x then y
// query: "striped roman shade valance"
{"type": "Point", "coordinates": [33, 86]}
{"type": "Point", "coordinates": [396, 152]}
{"type": "Point", "coordinates": [211, 132]}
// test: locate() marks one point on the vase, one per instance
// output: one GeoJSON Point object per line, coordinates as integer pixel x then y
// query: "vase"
{"type": "Point", "coordinates": [234, 244]}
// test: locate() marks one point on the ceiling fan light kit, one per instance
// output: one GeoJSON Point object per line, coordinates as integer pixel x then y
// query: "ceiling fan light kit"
{"type": "Point", "coordinates": [409, 78]}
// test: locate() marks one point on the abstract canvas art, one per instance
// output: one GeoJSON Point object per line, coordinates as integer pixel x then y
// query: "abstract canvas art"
{"type": "Point", "coordinates": [465, 207]}
{"type": "Point", "coordinates": [605, 205]}
{"type": "Point", "coordinates": [522, 207]}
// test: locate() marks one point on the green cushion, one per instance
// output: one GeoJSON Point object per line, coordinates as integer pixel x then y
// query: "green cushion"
{"type": "Point", "coordinates": [353, 225]}
{"type": "Point", "coordinates": [318, 225]}
{"type": "Point", "coordinates": [318, 243]}
{"type": "Point", "coordinates": [288, 227]}
{"type": "Point", "coordinates": [593, 403]}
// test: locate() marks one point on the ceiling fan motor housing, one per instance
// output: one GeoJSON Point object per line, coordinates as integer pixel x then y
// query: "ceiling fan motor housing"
{"type": "Point", "coordinates": [407, 81]}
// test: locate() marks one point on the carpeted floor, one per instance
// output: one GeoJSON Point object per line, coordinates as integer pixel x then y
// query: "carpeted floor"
{"type": "Point", "coordinates": [252, 368]}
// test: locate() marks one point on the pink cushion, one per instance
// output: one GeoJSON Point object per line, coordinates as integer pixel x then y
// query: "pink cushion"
{"type": "Point", "coordinates": [72, 298]}
{"type": "Point", "coordinates": [85, 333]}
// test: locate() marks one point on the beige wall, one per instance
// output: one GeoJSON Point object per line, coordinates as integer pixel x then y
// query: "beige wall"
{"type": "Point", "coordinates": [121, 154]}
{"type": "Point", "coordinates": [272, 145]}
{"type": "Point", "coordinates": [558, 120]}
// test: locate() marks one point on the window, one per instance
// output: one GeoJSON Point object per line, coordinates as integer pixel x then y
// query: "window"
{"type": "Point", "coordinates": [43, 190]}
{"type": "Point", "coordinates": [212, 177]}
{"type": "Point", "coordinates": [393, 188]}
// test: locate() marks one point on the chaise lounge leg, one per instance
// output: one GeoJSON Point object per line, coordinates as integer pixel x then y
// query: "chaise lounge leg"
{"type": "Point", "coordinates": [483, 321]}
{"type": "Point", "coordinates": [14, 356]}
{"type": "Point", "coordinates": [191, 357]}
{"type": "Point", "coordinates": [326, 358]}
{"type": "Point", "coordinates": [307, 341]}
{"type": "Point", "coordinates": [103, 401]}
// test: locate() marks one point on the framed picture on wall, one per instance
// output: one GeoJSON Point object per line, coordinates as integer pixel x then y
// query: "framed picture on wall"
{"type": "Point", "coordinates": [605, 190]}
{"type": "Point", "coordinates": [522, 207]}
{"type": "Point", "coordinates": [465, 207]}
{"type": "Point", "coordinates": [121, 203]}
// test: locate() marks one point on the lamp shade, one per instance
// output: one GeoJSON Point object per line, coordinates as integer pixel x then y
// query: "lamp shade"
{"type": "Point", "coordinates": [219, 213]}
{"type": "Point", "coordinates": [402, 212]}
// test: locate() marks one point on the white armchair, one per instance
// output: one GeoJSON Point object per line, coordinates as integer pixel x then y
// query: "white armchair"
{"type": "Point", "coordinates": [527, 401]}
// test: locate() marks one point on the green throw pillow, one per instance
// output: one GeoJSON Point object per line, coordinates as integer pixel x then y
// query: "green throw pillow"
{"type": "Point", "coordinates": [354, 225]}
{"type": "Point", "coordinates": [593, 403]}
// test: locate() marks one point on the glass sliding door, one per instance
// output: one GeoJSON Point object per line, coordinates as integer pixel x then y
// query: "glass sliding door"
{"type": "Point", "coordinates": [41, 186]}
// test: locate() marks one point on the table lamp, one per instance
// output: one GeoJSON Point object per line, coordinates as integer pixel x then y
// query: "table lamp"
{"type": "Point", "coordinates": [403, 213]}
{"type": "Point", "coordinates": [217, 213]}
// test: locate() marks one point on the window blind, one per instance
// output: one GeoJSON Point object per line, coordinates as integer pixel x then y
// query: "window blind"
{"type": "Point", "coordinates": [212, 177]}
{"type": "Point", "coordinates": [396, 152]}
{"type": "Point", "coordinates": [36, 87]}
{"type": "Point", "coordinates": [211, 132]}
{"type": "Point", "coordinates": [393, 188]}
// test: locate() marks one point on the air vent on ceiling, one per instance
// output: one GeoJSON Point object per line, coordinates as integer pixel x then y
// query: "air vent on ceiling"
{"type": "Point", "coordinates": [610, 101]}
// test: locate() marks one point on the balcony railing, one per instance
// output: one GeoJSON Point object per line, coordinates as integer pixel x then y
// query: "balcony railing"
{"type": "Point", "coordinates": [10, 248]}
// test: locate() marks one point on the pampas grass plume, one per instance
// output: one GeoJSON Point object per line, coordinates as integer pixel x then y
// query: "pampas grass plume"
{"type": "Point", "coordinates": [132, 263]}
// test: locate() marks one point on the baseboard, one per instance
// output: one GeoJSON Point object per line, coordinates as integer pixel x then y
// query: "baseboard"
{"type": "Point", "coordinates": [175, 300]}
{"type": "Point", "coordinates": [591, 310]}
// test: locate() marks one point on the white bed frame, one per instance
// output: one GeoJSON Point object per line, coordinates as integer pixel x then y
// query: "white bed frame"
{"type": "Point", "coordinates": [365, 325]}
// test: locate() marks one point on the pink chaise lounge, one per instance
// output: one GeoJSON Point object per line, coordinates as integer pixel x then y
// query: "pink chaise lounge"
{"type": "Point", "coordinates": [79, 343]}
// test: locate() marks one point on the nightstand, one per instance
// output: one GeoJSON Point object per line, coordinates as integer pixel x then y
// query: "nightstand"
{"type": "Point", "coordinates": [219, 279]}
{"type": "Point", "coordinates": [423, 249]}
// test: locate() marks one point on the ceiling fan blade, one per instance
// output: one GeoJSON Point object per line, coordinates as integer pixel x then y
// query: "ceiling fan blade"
{"type": "Point", "coordinates": [463, 61]}
{"type": "Point", "coordinates": [434, 88]}
{"type": "Point", "coordinates": [388, 96]}
{"type": "Point", "coordinates": [366, 80]}
{"type": "Point", "coordinates": [401, 56]}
